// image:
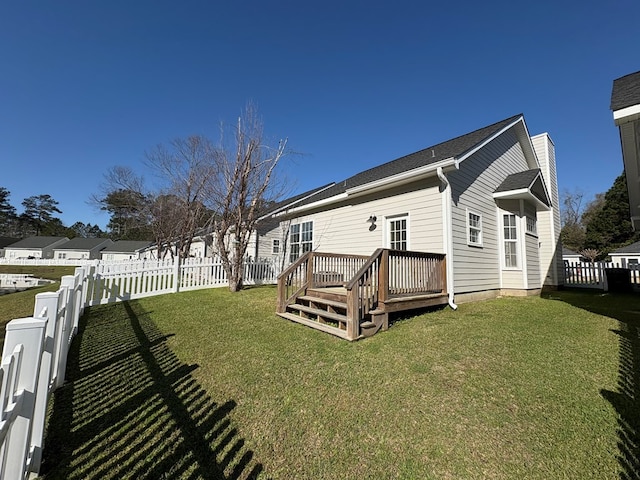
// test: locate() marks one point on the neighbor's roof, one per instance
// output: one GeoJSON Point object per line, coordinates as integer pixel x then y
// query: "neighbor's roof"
{"type": "Point", "coordinates": [454, 148]}
{"type": "Point", "coordinates": [626, 91]}
{"type": "Point", "coordinates": [566, 252]}
{"type": "Point", "coordinates": [126, 246]}
{"type": "Point", "coordinates": [83, 243]}
{"type": "Point", "coordinates": [37, 242]}
{"type": "Point", "coordinates": [633, 248]}
{"type": "Point", "coordinates": [6, 241]}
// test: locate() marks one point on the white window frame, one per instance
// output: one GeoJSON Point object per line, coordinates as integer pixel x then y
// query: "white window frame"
{"type": "Point", "coordinates": [389, 222]}
{"type": "Point", "coordinates": [62, 255]}
{"type": "Point", "coordinates": [532, 225]}
{"type": "Point", "coordinates": [275, 246]}
{"type": "Point", "coordinates": [474, 228]}
{"type": "Point", "coordinates": [508, 240]}
{"type": "Point", "coordinates": [304, 241]}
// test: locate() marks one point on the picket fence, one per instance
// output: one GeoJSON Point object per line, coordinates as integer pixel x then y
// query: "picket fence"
{"type": "Point", "coordinates": [34, 355]}
{"type": "Point", "coordinates": [593, 275]}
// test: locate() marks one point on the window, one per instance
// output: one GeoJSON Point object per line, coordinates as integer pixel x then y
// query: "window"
{"type": "Point", "coordinates": [532, 225]}
{"type": "Point", "coordinates": [510, 241]}
{"type": "Point", "coordinates": [632, 261]}
{"type": "Point", "coordinates": [398, 233]}
{"type": "Point", "coordinates": [62, 255]}
{"type": "Point", "coordinates": [275, 246]}
{"type": "Point", "coordinates": [300, 239]}
{"type": "Point", "coordinates": [474, 224]}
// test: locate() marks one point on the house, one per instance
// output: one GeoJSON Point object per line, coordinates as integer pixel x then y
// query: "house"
{"type": "Point", "coordinates": [625, 104]}
{"type": "Point", "coordinates": [626, 256]}
{"type": "Point", "coordinates": [485, 204]}
{"type": "Point", "coordinates": [81, 249]}
{"type": "Point", "coordinates": [124, 250]}
{"type": "Point", "coordinates": [34, 247]}
{"type": "Point", "coordinates": [5, 242]}
{"type": "Point", "coordinates": [570, 256]}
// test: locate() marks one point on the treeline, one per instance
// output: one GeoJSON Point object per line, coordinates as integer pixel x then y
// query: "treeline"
{"type": "Point", "coordinates": [39, 218]}
{"type": "Point", "coordinates": [596, 228]}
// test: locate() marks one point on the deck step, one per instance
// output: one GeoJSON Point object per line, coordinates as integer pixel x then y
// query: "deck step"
{"type": "Point", "coordinates": [324, 301]}
{"type": "Point", "coordinates": [321, 313]}
{"type": "Point", "coordinates": [313, 324]}
{"type": "Point", "coordinates": [368, 325]}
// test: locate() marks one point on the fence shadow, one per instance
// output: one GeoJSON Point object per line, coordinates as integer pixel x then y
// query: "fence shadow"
{"type": "Point", "coordinates": [131, 409]}
{"type": "Point", "coordinates": [626, 400]}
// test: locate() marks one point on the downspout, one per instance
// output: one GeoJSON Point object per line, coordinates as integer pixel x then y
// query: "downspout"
{"type": "Point", "coordinates": [447, 233]}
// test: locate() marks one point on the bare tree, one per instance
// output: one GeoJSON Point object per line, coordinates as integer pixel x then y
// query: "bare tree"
{"type": "Point", "coordinates": [590, 254]}
{"type": "Point", "coordinates": [186, 170]}
{"type": "Point", "coordinates": [245, 182]}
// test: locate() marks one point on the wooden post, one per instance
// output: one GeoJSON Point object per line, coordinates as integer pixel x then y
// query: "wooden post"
{"type": "Point", "coordinates": [444, 274]}
{"type": "Point", "coordinates": [310, 265]}
{"type": "Point", "coordinates": [383, 277]}
{"type": "Point", "coordinates": [353, 314]}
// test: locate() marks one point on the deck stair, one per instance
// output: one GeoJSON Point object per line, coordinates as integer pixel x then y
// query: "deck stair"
{"type": "Point", "coordinates": [351, 296]}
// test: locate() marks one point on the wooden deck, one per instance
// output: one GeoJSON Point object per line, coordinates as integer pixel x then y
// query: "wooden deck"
{"type": "Point", "coordinates": [351, 296]}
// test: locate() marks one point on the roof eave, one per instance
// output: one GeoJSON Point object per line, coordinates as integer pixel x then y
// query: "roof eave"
{"type": "Point", "coordinates": [419, 173]}
{"type": "Point", "coordinates": [627, 114]}
{"type": "Point", "coordinates": [521, 193]}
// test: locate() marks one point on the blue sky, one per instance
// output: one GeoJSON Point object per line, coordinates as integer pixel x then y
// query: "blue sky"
{"type": "Point", "coordinates": [88, 85]}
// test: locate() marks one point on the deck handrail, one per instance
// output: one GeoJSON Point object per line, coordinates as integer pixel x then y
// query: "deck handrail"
{"type": "Point", "coordinates": [285, 279]}
{"type": "Point", "coordinates": [351, 283]}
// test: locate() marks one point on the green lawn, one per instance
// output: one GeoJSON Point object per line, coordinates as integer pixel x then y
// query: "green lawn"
{"type": "Point", "coordinates": [20, 304]}
{"type": "Point", "coordinates": [210, 384]}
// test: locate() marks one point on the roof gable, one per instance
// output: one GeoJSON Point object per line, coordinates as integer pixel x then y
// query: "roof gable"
{"type": "Point", "coordinates": [527, 185]}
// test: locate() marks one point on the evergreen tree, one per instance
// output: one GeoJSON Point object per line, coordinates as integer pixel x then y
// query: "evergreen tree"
{"type": "Point", "coordinates": [609, 225]}
{"type": "Point", "coordinates": [7, 214]}
{"type": "Point", "coordinates": [39, 210]}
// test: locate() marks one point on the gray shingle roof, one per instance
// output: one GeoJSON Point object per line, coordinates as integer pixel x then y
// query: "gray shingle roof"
{"type": "Point", "coordinates": [633, 248]}
{"type": "Point", "coordinates": [453, 148]}
{"type": "Point", "coordinates": [6, 241]}
{"type": "Point", "coordinates": [126, 246]}
{"type": "Point", "coordinates": [518, 180]}
{"type": "Point", "coordinates": [626, 91]}
{"type": "Point", "coordinates": [36, 242]}
{"type": "Point", "coordinates": [82, 243]}
{"type": "Point", "coordinates": [566, 251]}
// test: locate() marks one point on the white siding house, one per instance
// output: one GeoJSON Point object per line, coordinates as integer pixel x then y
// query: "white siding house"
{"type": "Point", "coordinates": [625, 256]}
{"type": "Point", "coordinates": [487, 200]}
{"type": "Point", "coordinates": [81, 249]}
{"type": "Point", "coordinates": [34, 247]}
{"type": "Point", "coordinates": [124, 250]}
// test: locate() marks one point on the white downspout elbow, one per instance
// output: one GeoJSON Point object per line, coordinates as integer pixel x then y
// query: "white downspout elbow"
{"type": "Point", "coordinates": [448, 233]}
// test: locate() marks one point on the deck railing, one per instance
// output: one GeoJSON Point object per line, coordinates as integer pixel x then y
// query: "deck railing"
{"type": "Point", "coordinates": [385, 275]}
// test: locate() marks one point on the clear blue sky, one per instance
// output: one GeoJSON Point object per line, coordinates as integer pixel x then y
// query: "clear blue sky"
{"type": "Point", "coordinates": [88, 85]}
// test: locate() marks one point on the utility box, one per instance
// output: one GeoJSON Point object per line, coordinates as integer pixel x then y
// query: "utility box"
{"type": "Point", "coordinates": [618, 279]}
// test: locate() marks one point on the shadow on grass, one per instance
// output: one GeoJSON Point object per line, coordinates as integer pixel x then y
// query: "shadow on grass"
{"type": "Point", "coordinates": [626, 309]}
{"type": "Point", "coordinates": [130, 409]}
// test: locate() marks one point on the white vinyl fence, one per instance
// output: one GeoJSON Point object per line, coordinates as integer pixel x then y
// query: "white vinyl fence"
{"type": "Point", "coordinates": [593, 275]}
{"type": "Point", "coordinates": [34, 356]}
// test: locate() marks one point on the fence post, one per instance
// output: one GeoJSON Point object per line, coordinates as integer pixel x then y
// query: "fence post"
{"type": "Point", "coordinates": [67, 327]}
{"type": "Point", "coordinates": [176, 274]}
{"type": "Point", "coordinates": [23, 342]}
{"type": "Point", "coordinates": [605, 280]}
{"type": "Point", "coordinates": [46, 307]}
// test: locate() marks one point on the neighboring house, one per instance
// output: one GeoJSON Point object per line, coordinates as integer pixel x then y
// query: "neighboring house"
{"type": "Point", "coordinates": [5, 242]}
{"type": "Point", "coordinates": [34, 247]}
{"type": "Point", "coordinates": [571, 256]}
{"type": "Point", "coordinates": [625, 256]}
{"type": "Point", "coordinates": [124, 250]}
{"type": "Point", "coordinates": [81, 249]}
{"type": "Point", "coordinates": [625, 103]}
{"type": "Point", "coordinates": [488, 200]}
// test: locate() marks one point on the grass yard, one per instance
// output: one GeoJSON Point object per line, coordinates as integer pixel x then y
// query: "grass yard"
{"type": "Point", "coordinates": [210, 385]}
{"type": "Point", "coordinates": [20, 304]}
